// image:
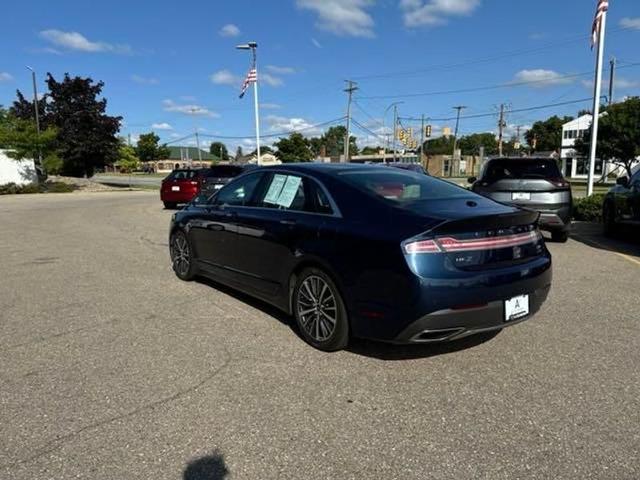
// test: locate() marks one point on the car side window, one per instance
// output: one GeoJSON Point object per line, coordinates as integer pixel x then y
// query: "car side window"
{"type": "Point", "coordinates": [635, 180]}
{"type": "Point", "coordinates": [285, 191]}
{"type": "Point", "coordinates": [239, 192]}
{"type": "Point", "coordinates": [320, 199]}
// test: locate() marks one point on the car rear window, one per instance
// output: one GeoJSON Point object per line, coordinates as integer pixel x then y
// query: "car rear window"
{"type": "Point", "coordinates": [402, 188]}
{"type": "Point", "coordinates": [224, 171]}
{"type": "Point", "coordinates": [521, 168]}
{"type": "Point", "coordinates": [182, 174]}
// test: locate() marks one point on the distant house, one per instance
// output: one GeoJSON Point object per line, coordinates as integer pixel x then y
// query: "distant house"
{"type": "Point", "coordinates": [572, 164]}
{"type": "Point", "coordinates": [265, 159]}
{"type": "Point", "coordinates": [18, 172]}
{"type": "Point", "coordinates": [182, 157]}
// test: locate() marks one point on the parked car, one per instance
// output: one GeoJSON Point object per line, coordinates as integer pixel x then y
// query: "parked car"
{"type": "Point", "coordinates": [367, 251]}
{"type": "Point", "coordinates": [533, 183]}
{"type": "Point", "coordinates": [412, 167]}
{"type": "Point", "coordinates": [183, 185]}
{"type": "Point", "coordinates": [622, 204]}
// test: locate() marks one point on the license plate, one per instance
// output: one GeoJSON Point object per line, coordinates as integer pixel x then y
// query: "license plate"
{"type": "Point", "coordinates": [515, 308]}
{"type": "Point", "coordinates": [175, 189]}
{"type": "Point", "coordinates": [520, 196]}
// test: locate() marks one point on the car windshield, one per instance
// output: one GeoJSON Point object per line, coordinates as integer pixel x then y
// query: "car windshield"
{"type": "Point", "coordinates": [182, 175]}
{"type": "Point", "coordinates": [521, 168]}
{"type": "Point", "coordinates": [224, 171]}
{"type": "Point", "coordinates": [404, 189]}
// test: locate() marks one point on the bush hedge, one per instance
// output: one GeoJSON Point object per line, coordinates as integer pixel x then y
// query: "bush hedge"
{"type": "Point", "coordinates": [588, 209]}
{"type": "Point", "coordinates": [48, 187]}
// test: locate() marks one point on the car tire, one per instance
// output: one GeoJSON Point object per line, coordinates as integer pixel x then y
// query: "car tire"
{"type": "Point", "coordinates": [320, 311]}
{"type": "Point", "coordinates": [170, 205]}
{"type": "Point", "coordinates": [609, 220]}
{"type": "Point", "coordinates": [560, 237]}
{"type": "Point", "coordinates": [182, 258]}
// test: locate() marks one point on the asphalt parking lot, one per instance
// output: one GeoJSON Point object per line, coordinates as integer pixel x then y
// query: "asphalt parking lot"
{"type": "Point", "coordinates": [114, 369]}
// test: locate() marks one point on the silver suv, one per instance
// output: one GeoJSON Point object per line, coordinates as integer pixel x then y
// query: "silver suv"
{"type": "Point", "coordinates": [531, 183]}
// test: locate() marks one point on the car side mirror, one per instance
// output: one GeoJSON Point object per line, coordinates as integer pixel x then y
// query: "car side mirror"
{"type": "Point", "coordinates": [472, 179]}
{"type": "Point", "coordinates": [623, 181]}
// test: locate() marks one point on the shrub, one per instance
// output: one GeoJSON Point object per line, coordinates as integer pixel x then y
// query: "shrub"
{"type": "Point", "coordinates": [49, 187]}
{"type": "Point", "coordinates": [588, 209]}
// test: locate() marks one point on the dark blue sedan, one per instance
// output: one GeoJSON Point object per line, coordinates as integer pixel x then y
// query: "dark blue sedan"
{"type": "Point", "coordinates": [367, 251]}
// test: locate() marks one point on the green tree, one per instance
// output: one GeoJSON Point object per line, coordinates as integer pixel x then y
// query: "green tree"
{"type": "Point", "coordinates": [149, 149]}
{"type": "Point", "coordinates": [219, 149]}
{"type": "Point", "coordinates": [547, 135]}
{"type": "Point", "coordinates": [22, 140]}
{"type": "Point", "coordinates": [86, 134]}
{"type": "Point", "coordinates": [296, 148]}
{"type": "Point", "coordinates": [368, 150]}
{"type": "Point", "coordinates": [470, 144]}
{"type": "Point", "coordinates": [239, 153]}
{"type": "Point", "coordinates": [127, 159]}
{"type": "Point", "coordinates": [263, 149]}
{"type": "Point", "coordinates": [618, 135]}
{"type": "Point", "coordinates": [333, 142]}
{"type": "Point", "coordinates": [439, 146]}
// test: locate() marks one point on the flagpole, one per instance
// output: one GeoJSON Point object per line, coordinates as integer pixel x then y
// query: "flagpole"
{"type": "Point", "coordinates": [256, 107]}
{"type": "Point", "coordinates": [596, 105]}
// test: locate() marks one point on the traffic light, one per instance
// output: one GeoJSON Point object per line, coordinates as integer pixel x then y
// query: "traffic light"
{"type": "Point", "coordinates": [427, 131]}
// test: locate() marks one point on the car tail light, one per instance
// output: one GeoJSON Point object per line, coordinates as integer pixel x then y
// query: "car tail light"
{"type": "Point", "coordinates": [451, 244]}
{"type": "Point", "coordinates": [559, 182]}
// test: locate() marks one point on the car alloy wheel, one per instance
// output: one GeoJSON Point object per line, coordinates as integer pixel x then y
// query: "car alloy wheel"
{"type": "Point", "coordinates": [181, 258]}
{"type": "Point", "coordinates": [320, 312]}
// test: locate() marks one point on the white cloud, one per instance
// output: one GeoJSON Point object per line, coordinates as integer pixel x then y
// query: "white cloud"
{"type": "Point", "coordinates": [628, 22]}
{"type": "Point", "coordinates": [229, 30]}
{"type": "Point", "coordinates": [316, 43]}
{"type": "Point", "coordinates": [541, 78]}
{"type": "Point", "coordinates": [144, 80]}
{"type": "Point", "coordinates": [5, 77]}
{"type": "Point", "coordinates": [175, 135]}
{"type": "Point", "coordinates": [78, 42]}
{"type": "Point", "coordinates": [195, 110]}
{"type": "Point", "coordinates": [270, 80]}
{"type": "Point", "coordinates": [280, 70]}
{"type": "Point", "coordinates": [225, 77]}
{"type": "Point", "coordinates": [286, 124]}
{"type": "Point", "coordinates": [161, 126]}
{"type": "Point", "coordinates": [418, 13]}
{"type": "Point", "coordinates": [342, 17]}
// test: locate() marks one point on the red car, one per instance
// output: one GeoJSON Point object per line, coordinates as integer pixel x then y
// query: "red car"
{"type": "Point", "coordinates": [183, 185]}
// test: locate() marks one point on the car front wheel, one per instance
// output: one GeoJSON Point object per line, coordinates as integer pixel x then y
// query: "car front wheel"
{"type": "Point", "coordinates": [182, 259]}
{"type": "Point", "coordinates": [609, 219]}
{"type": "Point", "coordinates": [320, 311]}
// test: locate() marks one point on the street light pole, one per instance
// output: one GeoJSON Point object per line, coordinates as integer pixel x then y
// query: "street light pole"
{"type": "Point", "coordinates": [37, 115]}
{"type": "Point", "coordinates": [384, 131]}
{"type": "Point", "coordinates": [253, 46]}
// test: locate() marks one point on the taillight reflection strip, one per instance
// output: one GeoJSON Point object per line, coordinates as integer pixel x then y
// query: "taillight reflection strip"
{"type": "Point", "coordinates": [449, 244]}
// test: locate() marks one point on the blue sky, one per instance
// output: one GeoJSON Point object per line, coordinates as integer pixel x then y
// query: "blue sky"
{"type": "Point", "coordinates": [172, 66]}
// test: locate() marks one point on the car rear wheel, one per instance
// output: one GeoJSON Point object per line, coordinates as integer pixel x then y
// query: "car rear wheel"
{"type": "Point", "coordinates": [560, 237]}
{"type": "Point", "coordinates": [609, 220]}
{"type": "Point", "coordinates": [182, 259]}
{"type": "Point", "coordinates": [170, 205]}
{"type": "Point", "coordinates": [320, 311]}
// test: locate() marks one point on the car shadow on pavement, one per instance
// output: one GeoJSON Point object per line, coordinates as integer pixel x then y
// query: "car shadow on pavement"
{"type": "Point", "coordinates": [392, 352]}
{"type": "Point", "coordinates": [591, 234]}
{"type": "Point", "coordinates": [209, 467]}
{"type": "Point", "coordinates": [365, 348]}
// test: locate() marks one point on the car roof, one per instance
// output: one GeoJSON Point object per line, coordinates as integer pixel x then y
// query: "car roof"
{"type": "Point", "coordinates": [326, 168]}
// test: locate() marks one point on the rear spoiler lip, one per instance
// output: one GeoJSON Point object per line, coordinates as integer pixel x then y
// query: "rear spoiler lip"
{"type": "Point", "coordinates": [485, 222]}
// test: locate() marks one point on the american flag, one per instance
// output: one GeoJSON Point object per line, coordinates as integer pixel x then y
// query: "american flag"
{"type": "Point", "coordinates": [252, 77]}
{"type": "Point", "coordinates": [603, 7]}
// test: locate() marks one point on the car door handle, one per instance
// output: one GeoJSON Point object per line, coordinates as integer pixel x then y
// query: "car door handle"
{"type": "Point", "coordinates": [288, 223]}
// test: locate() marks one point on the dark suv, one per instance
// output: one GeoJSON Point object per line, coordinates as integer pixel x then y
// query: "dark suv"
{"type": "Point", "coordinates": [532, 183]}
{"type": "Point", "coordinates": [622, 204]}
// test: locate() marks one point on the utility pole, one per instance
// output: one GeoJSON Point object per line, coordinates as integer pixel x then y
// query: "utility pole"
{"type": "Point", "coordinates": [501, 125]}
{"type": "Point", "coordinates": [198, 145]}
{"type": "Point", "coordinates": [395, 133]}
{"type": "Point", "coordinates": [612, 74]}
{"type": "Point", "coordinates": [459, 108]}
{"type": "Point", "coordinates": [350, 89]}
{"type": "Point", "coordinates": [422, 139]}
{"type": "Point", "coordinates": [37, 115]}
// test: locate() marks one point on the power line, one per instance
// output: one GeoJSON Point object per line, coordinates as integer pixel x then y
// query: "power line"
{"type": "Point", "coordinates": [273, 135]}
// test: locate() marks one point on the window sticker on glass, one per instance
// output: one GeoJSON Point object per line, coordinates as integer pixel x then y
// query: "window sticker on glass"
{"type": "Point", "coordinates": [289, 191]}
{"type": "Point", "coordinates": [275, 189]}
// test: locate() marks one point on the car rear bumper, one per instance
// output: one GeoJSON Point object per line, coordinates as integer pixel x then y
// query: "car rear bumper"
{"type": "Point", "coordinates": [177, 197]}
{"type": "Point", "coordinates": [447, 325]}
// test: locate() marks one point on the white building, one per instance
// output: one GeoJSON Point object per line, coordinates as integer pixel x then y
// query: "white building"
{"type": "Point", "coordinates": [574, 165]}
{"type": "Point", "coordinates": [18, 172]}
